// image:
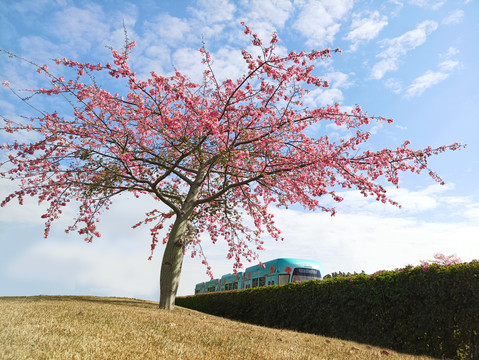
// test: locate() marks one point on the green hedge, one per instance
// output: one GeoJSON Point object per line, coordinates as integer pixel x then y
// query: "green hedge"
{"type": "Point", "coordinates": [430, 310]}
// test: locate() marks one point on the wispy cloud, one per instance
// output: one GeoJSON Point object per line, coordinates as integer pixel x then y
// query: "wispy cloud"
{"type": "Point", "coordinates": [423, 82]}
{"type": "Point", "coordinates": [454, 18]}
{"type": "Point", "coordinates": [365, 27]}
{"type": "Point", "coordinates": [431, 78]}
{"type": "Point", "coordinates": [394, 84]}
{"type": "Point", "coordinates": [399, 46]}
{"type": "Point", "coordinates": [81, 27]}
{"type": "Point", "coordinates": [431, 4]}
{"type": "Point", "coordinates": [448, 65]}
{"type": "Point", "coordinates": [451, 52]}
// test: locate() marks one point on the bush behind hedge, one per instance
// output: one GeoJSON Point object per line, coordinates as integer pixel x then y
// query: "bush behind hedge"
{"type": "Point", "coordinates": [430, 310]}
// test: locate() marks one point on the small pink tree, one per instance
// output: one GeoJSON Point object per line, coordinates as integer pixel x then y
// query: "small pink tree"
{"type": "Point", "coordinates": [441, 259]}
{"type": "Point", "coordinates": [212, 152]}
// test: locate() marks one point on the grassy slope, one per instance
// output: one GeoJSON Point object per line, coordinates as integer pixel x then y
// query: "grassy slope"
{"type": "Point", "coordinates": [71, 327]}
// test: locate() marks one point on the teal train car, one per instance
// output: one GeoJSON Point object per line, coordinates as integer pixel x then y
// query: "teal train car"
{"type": "Point", "coordinates": [274, 272]}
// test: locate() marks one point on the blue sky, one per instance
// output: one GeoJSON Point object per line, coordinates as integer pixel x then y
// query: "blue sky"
{"type": "Point", "coordinates": [412, 60]}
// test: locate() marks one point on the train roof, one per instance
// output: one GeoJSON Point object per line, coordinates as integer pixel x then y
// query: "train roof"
{"type": "Point", "coordinates": [287, 262]}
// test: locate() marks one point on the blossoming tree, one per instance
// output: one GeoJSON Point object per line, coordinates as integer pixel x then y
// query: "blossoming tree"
{"type": "Point", "coordinates": [213, 152]}
{"type": "Point", "coordinates": [441, 259]}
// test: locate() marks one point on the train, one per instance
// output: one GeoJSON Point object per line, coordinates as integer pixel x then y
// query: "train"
{"type": "Point", "coordinates": [275, 272]}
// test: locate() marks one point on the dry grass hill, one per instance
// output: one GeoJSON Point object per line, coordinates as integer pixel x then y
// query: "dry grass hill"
{"type": "Point", "coordinates": [82, 327]}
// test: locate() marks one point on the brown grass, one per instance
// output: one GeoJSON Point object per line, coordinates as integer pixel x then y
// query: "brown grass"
{"type": "Point", "coordinates": [69, 327]}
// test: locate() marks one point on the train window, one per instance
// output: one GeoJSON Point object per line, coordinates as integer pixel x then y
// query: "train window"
{"type": "Point", "coordinates": [262, 281]}
{"type": "Point", "coordinates": [300, 274]}
{"type": "Point", "coordinates": [283, 279]}
{"type": "Point", "coordinates": [255, 283]}
{"type": "Point", "coordinates": [269, 283]}
{"type": "Point", "coordinates": [272, 282]}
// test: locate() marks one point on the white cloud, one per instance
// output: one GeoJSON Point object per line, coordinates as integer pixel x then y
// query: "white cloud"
{"type": "Point", "coordinates": [188, 62]}
{"type": "Point", "coordinates": [331, 95]}
{"type": "Point", "coordinates": [323, 97]}
{"type": "Point", "coordinates": [384, 66]}
{"type": "Point", "coordinates": [276, 12]}
{"type": "Point", "coordinates": [213, 11]}
{"type": "Point", "coordinates": [266, 16]}
{"type": "Point", "coordinates": [412, 202]}
{"type": "Point", "coordinates": [81, 28]}
{"type": "Point", "coordinates": [399, 46]}
{"type": "Point", "coordinates": [228, 63]}
{"type": "Point", "coordinates": [319, 21]}
{"type": "Point", "coordinates": [365, 28]}
{"type": "Point", "coordinates": [169, 29]}
{"type": "Point", "coordinates": [155, 58]}
{"type": "Point", "coordinates": [454, 18]}
{"type": "Point", "coordinates": [211, 30]}
{"type": "Point", "coordinates": [338, 79]}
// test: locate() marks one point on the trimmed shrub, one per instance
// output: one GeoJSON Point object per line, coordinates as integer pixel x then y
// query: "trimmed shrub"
{"type": "Point", "coordinates": [431, 310]}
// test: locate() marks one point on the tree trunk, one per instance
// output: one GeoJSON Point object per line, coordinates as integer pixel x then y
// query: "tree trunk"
{"type": "Point", "coordinates": [175, 247]}
{"type": "Point", "coordinates": [171, 264]}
